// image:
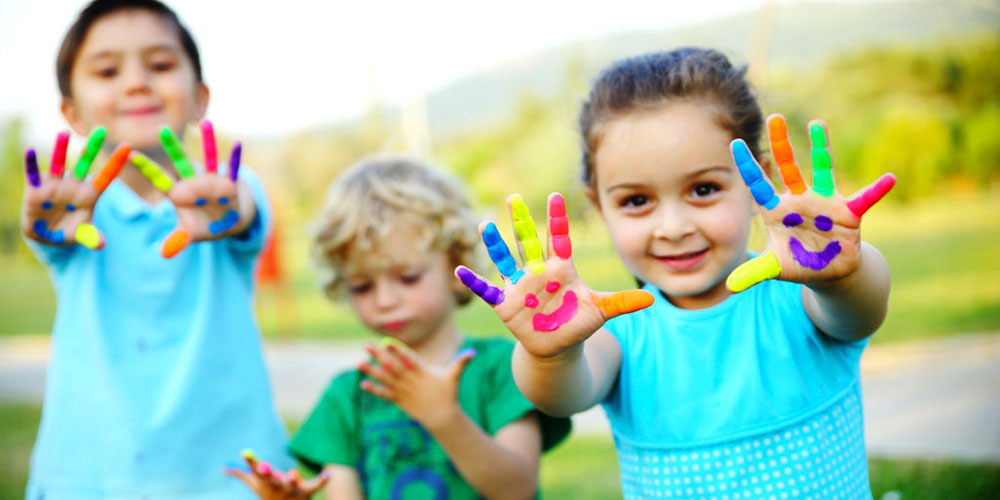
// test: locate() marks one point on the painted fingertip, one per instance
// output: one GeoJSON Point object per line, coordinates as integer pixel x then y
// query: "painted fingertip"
{"type": "Point", "coordinates": [31, 168]}
{"type": "Point", "coordinates": [88, 236]}
{"type": "Point", "coordinates": [468, 351]}
{"type": "Point", "coordinates": [209, 146]}
{"type": "Point", "coordinates": [234, 161]}
{"type": "Point", "coordinates": [174, 243]}
{"type": "Point", "coordinates": [58, 166]}
{"type": "Point", "coordinates": [264, 468]}
{"type": "Point", "coordinates": [248, 453]}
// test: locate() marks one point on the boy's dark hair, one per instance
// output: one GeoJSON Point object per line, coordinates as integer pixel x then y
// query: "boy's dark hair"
{"type": "Point", "coordinates": [98, 9]}
{"type": "Point", "coordinates": [653, 79]}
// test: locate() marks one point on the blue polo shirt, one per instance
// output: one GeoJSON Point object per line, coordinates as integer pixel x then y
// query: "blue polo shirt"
{"type": "Point", "coordinates": [156, 378]}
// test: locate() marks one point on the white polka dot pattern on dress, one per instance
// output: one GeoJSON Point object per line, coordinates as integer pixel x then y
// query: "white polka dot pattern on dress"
{"type": "Point", "coordinates": [821, 458]}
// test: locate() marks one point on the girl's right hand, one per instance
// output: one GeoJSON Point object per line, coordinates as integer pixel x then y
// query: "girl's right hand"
{"type": "Point", "coordinates": [545, 304]}
{"type": "Point", "coordinates": [270, 484]}
{"type": "Point", "coordinates": [58, 210]}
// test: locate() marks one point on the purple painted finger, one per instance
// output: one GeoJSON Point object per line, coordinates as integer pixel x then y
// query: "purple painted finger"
{"type": "Point", "coordinates": [234, 162]}
{"type": "Point", "coordinates": [31, 169]}
{"type": "Point", "coordinates": [491, 294]}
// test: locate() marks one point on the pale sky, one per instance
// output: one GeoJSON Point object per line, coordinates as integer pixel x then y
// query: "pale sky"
{"type": "Point", "coordinates": [278, 67]}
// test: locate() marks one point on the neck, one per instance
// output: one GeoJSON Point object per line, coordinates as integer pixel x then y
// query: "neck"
{"type": "Point", "coordinates": [442, 346]}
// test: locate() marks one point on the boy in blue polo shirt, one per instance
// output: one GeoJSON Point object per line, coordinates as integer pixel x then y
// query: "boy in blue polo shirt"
{"type": "Point", "coordinates": [157, 377]}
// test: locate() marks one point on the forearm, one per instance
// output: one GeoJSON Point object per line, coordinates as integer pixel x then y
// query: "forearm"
{"type": "Point", "coordinates": [571, 381]}
{"type": "Point", "coordinates": [493, 470]}
{"type": "Point", "coordinates": [853, 307]}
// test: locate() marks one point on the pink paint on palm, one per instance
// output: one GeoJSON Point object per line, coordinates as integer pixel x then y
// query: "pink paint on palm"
{"type": "Point", "coordinates": [559, 227]}
{"type": "Point", "coordinates": [861, 203]}
{"type": "Point", "coordinates": [552, 286]}
{"type": "Point", "coordinates": [208, 144]}
{"type": "Point", "coordinates": [552, 321]}
{"type": "Point", "coordinates": [530, 301]}
{"type": "Point", "coordinates": [59, 155]}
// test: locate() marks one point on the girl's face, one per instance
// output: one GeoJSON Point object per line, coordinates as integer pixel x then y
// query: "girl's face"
{"type": "Point", "coordinates": [132, 76]}
{"type": "Point", "coordinates": [673, 201]}
{"type": "Point", "coordinates": [412, 297]}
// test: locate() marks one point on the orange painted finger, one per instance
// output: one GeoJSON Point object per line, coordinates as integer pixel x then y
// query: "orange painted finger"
{"type": "Point", "coordinates": [175, 242]}
{"type": "Point", "coordinates": [784, 155]}
{"type": "Point", "coordinates": [624, 302]}
{"type": "Point", "coordinates": [112, 167]}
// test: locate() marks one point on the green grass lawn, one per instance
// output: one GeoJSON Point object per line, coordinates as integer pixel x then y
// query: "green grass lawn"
{"type": "Point", "coordinates": [944, 255]}
{"type": "Point", "coordinates": [582, 468]}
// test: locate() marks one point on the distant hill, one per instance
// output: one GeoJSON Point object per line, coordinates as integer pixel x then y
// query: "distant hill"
{"type": "Point", "coordinates": [801, 35]}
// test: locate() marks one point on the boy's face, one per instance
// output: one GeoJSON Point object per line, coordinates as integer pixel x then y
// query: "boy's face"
{"type": "Point", "coordinates": [132, 76]}
{"type": "Point", "coordinates": [673, 201]}
{"type": "Point", "coordinates": [402, 292]}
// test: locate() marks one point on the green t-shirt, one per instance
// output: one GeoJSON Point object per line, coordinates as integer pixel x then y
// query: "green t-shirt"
{"type": "Point", "coordinates": [396, 458]}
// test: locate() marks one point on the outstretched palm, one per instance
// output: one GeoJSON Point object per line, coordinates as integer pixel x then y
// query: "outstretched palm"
{"type": "Point", "coordinates": [812, 234]}
{"type": "Point", "coordinates": [545, 304]}
{"type": "Point", "coordinates": [58, 210]}
{"type": "Point", "coordinates": [207, 205]}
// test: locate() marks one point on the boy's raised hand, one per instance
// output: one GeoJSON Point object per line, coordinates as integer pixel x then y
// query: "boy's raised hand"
{"type": "Point", "coordinates": [545, 304]}
{"type": "Point", "coordinates": [813, 234]}
{"type": "Point", "coordinates": [208, 206]}
{"type": "Point", "coordinates": [57, 210]}
{"type": "Point", "coordinates": [271, 484]}
{"type": "Point", "coordinates": [426, 392]}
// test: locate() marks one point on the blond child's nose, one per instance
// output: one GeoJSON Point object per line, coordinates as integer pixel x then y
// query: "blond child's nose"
{"type": "Point", "coordinates": [386, 296]}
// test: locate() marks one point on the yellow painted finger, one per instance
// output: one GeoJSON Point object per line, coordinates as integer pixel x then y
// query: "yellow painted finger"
{"type": "Point", "coordinates": [524, 229]}
{"type": "Point", "coordinates": [152, 171]}
{"type": "Point", "coordinates": [748, 274]}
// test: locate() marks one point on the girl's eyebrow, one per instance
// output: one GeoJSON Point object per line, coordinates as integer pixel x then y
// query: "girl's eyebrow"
{"type": "Point", "coordinates": [145, 50]}
{"type": "Point", "coordinates": [708, 169]}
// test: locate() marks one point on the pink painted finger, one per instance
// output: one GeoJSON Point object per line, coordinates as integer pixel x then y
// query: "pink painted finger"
{"type": "Point", "coordinates": [31, 169]}
{"type": "Point", "coordinates": [871, 194]}
{"type": "Point", "coordinates": [234, 162]}
{"type": "Point", "coordinates": [208, 144]}
{"type": "Point", "coordinates": [59, 155]}
{"type": "Point", "coordinates": [559, 227]}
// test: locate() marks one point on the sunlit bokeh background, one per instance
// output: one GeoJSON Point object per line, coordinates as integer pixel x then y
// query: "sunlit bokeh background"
{"type": "Point", "coordinates": [491, 91]}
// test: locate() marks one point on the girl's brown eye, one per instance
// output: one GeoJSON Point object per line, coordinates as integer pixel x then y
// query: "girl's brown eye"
{"type": "Point", "coordinates": [705, 189]}
{"type": "Point", "coordinates": [635, 200]}
{"type": "Point", "coordinates": [411, 278]}
{"type": "Point", "coordinates": [359, 288]}
{"type": "Point", "coordinates": [107, 72]}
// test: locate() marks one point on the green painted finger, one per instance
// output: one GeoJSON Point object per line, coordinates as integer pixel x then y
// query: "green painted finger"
{"type": "Point", "coordinates": [176, 153]}
{"type": "Point", "coordinates": [524, 229]}
{"type": "Point", "coordinates": [748, 274]}
{"type": "Point", "coordinates": [152, 171]}
{"type": "Point", "coordinates": [90, 152]}
{"type": "Point", "coordinates": [822, 165]}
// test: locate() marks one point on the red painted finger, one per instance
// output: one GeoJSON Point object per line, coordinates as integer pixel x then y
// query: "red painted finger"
{"type": "Point", "coordinates": [559, 227]}
{"type": "Point", "coordinates": [59, 155]}
{"type": "Point", "coordinates": [208, 144]}
{"type": "Point", "coordinates": [871, 194]}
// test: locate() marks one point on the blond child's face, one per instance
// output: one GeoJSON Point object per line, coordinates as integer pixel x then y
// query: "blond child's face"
{"type": "Point", "coordinates": [403, 292]}
{"type": "Point", "coordinates": [673, 201]}
{"type": "Point", "coordinates": [132, 76]}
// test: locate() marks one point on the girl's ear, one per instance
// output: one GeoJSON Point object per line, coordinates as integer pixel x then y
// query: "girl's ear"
{"type": "Point", "coordinates": [72, 115]}
{"type": "Point", "coordinates": [201, 96]}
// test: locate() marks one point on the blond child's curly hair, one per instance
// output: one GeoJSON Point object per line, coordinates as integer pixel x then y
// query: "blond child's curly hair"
{"type": "Point", "coordinates": [377, 195]}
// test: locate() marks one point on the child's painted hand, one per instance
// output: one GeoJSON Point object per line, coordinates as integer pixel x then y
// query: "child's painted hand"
{"type": "Point", "coordinates": [271, 484]}
{"type": "Point", "coordinates": [546, 304]}
{"type": "Point", "coordinates": [208, 206]}
{"type": "Point", "coordinates": [426, 392]}
{"type": "Point", "coordinates": [58, 210]}
{"type": "Point", "coordinates": [813, 235]}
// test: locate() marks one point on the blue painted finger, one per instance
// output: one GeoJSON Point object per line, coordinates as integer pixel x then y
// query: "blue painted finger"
{"type": "Point", "coordinates": [752, 175]}
{"type": "Point", "coordinates": [500, 254]}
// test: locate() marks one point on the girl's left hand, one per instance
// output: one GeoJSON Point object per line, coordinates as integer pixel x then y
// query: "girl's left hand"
{"type": "Point", "coordinates": [208, 206]}
{"type": "Point", "coordinates": [813, 234]}
{"type": "Point", "coordinates": [426, 392]}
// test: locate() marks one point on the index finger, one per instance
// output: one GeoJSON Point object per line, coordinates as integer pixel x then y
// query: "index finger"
{"type": "Point", "coordinates": [208, 145]}
{"type": "Point", "coordinates": [90, 152]}
{"type": "Point", "coordinates": [176, 153]}
{"type": "Point", "coordinates": [784, 156]}
{"type": "Point", "coordinates": [753, 176]}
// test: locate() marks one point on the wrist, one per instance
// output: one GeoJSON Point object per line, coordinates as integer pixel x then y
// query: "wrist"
{"type": "Point", "coordinates": [442, 418]}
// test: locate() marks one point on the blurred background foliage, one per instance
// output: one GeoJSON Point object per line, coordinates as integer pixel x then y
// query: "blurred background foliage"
{"type": "Point", "coordinates": [907, 87]}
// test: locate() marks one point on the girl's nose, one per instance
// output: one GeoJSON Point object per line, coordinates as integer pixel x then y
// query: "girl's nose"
{"type": "Point", "coordinates": [135, 78]}
{"type": "Point", "coordinates": [673, 223]}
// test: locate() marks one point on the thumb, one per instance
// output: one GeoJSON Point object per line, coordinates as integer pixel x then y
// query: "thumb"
{"type": "Point", "coordinates": [460, 361]}
{"type": "Point", "coordinates": [618, 303]}
{"type": "Point", "coordinates": [89, 236]}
